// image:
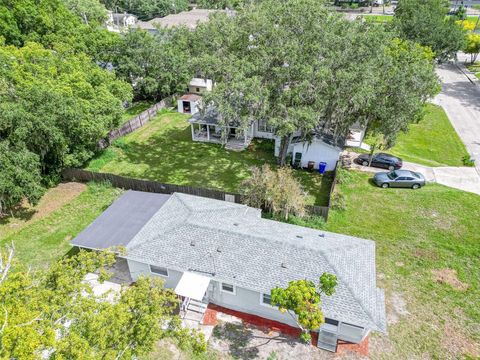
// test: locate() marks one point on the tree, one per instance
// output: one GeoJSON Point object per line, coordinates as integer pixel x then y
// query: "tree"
{"type": "Point", "coordinates": [426, 23]}
{"type": "Point", "coordinates": [56, 106]}
{"type": "Point", "coordinates": [92, 12]}
{"type": "Point", "coordinates": [156, 66]}
{"type": "Point", "coordinates": [276, 191]}
{"type": "Point", "coordinates": [19, 176]}
{"type": "Point", "coordinates": [147, 9]}
{"type": "Point", "coordinates": [301, 299]}
{"type": "Point", "coordinates": [52, 311]}
{"type": "Point", "coordinates": [220, 4]}
{"type": "Point", "coordinates": [307, 70]}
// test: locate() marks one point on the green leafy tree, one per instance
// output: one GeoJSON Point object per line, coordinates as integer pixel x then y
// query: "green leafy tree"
{"type": "Point", "coordinates": [473, 46]}
{"type": "Point", "coordinates": [147, 9]}
{"type": "Point", "coordinates": [220, 4]}
{"type": "Point", "coordinates": [92, 12]}
{"type": "Point", "coordinates": [58, 105]}
{"type": "Point", "coordinates": [296, 64]}
{"type": "Point", "coordinates": [156, 66]}
{"type": "Point", "coordinates": [301, 299]}
{"type": "Point", "coordinates": [19, 176]}
{"type": "Point", "coordinates": [426, 23]}
{"type": "Point", "coordinates": [276, 191]}
{"type": "Point", "coordinates": [52, 311]}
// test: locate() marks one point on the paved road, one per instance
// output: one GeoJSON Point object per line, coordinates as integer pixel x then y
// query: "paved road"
{"type": "Point", "coordinates": [460, 99]}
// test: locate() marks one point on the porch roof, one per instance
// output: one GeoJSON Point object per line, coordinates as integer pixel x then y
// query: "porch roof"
{"type": "Point", "coordinates": [192, 285]}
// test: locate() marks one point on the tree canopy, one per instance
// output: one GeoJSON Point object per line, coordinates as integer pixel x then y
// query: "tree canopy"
{"type": "Point", "coordinates": [309, 70]}
{"type": "Point", "coordinates": [156, 65]}
{"type": "Point", "coordinates": [54, 312]}
{"type": "Point", "coordinates": [147, 9]}
{"type": "Point", "coordinates": [56, 107]}
{"type": "Point", "coordinates": [426, 23]}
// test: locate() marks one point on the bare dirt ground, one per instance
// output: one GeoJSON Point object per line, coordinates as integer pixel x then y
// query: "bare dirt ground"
{"type": "Point", "coordinates": [54, 199]}
{"type": "Point", "coordinates": [449, 276]}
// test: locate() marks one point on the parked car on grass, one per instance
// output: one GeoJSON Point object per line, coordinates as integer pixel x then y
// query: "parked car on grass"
{"type": "Point", "coordinates": [381, 160]}
{"type": "Point", "coordinates": [400, 179]}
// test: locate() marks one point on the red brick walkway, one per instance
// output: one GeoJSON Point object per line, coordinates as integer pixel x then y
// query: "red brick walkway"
{"type": "Point", "coordinates": [343, 347]}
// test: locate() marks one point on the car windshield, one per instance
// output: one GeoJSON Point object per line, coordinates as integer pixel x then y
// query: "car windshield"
{"type": "Point", "coordinates": [392, 175]}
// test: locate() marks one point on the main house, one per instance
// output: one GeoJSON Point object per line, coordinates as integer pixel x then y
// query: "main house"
{"type": "Point", "coordinates": [213, 251]}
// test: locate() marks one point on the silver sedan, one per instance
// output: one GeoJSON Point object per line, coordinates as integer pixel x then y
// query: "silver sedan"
{"type": "Point", "coordinates": [400, 179]}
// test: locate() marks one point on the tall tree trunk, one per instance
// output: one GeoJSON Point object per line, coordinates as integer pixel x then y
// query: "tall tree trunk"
{"type": "Point", "coordinates": [284, 144]}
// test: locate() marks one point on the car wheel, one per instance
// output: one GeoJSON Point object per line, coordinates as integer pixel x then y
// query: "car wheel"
{"type": "Point", "coordinates": [385, 186]}
{"type": "Point", "coordinates": [365, 163]}
{"type": "Point", "coordinates": [391, 168]}
{"type": "Point", "coordinates": [415, 186]}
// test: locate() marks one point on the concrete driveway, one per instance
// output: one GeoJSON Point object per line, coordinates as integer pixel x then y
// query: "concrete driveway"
{"type": "Point", "coordinates": [462, 178]}
{"type": "Point", "coordinates": [460, 98]}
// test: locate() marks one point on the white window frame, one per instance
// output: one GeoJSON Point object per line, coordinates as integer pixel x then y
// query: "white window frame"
{"type": "Point", "coordinates": [265, 304]}
{"type": "Point", "coordinates": [234, 292]}
{"type": "Point", "coordinates": [157, 274]}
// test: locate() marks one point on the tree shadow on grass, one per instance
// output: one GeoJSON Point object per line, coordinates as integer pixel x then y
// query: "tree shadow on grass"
{"type": "Point", "coordinates": [20, 213]}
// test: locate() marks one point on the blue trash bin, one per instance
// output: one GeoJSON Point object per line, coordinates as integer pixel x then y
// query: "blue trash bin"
{"type": "Point", "coordinates": [321, 167]}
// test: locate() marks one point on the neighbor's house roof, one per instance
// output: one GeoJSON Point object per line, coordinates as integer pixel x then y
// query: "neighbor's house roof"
{"type": "Point", "coordinates": [235, 245]}
{"type": "Point", "coordinates": [210, 116]}
{"type": "Point", "coordinates": [189, 19]}
{"type": "Point", "coordinates": [122, 220]}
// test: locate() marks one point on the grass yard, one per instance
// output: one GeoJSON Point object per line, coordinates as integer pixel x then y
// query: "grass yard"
{"type": "Point", "coordinates": [432, 142]}
{"type": "Point", "coordinates": [163, 151]}
{"type": "Point", "coordinates": [135, 109]}
{"type": "Point", "coordinates": [475, 68]}
{"type": "Point", "coordinates": [42, 236]}
{"type": "Point", "coordinates": [428, 256]}
{"type": "Point", "coordinates": [378, 18]}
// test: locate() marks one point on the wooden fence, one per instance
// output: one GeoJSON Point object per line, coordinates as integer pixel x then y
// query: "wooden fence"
{"type": "Point", "coordinates": [136, 122]}
{"type": "Point", "coordinates": [146, 185]}
{"type": "Point", "coordinates": [156, 187]}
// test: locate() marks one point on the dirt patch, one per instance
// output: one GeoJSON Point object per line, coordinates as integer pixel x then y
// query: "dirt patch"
{"type": "Point", "coordinates": [457, 343]}
{"type": "Point", "coordinates": [441, 222]}
{"type": "Point", "coordinates": [57, 197]}
{"type": "Point", "coordinates": [426, 254]}
{"type": "Point", "coordinates": [396, 308]}
{"type": "Point", "coordinates": [449, 276]}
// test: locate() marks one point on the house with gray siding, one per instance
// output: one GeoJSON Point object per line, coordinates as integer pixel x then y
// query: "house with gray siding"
{"type": "Point", "coordinates": [213, 251]}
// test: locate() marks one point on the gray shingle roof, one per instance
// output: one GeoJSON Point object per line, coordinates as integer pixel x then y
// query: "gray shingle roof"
{"type": "Point", "coordinates": [234, 244]}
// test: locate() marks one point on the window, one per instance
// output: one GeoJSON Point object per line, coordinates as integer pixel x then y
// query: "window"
{"type": "Point", "coordinates": [331, 321]}
{"type": "Point", "coordinates": [228, 288]}
{"type": "Point", "coordinates": [198, 89]}
{"type": "Point", "coordinates": [263, 126]}
{"type": "Point", "coordinates": [265, 299]}
{"type": "Point", "coordinates": [159, 270]}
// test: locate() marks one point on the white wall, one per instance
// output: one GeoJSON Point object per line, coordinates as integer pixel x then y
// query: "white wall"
{"type": "Point", "coordinates": [243, 300]}
{"type": "Point", "coordinates": [317, 151]}
{"type": "Point", "coordinates": [193, 106]}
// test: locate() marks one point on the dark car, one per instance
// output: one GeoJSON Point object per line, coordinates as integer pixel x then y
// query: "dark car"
{"type": "Point", "coordinates": [399, 178]}
{"type": "Point", "coordinates": [381, 160]}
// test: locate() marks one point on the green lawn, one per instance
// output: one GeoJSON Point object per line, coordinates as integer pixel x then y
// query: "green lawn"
{"type": "Point", "coordinates": [163, 151]}
{"type": "Point", "coordinates": [135, 109]}
{"type": "Point", "coordinates": [433, 228]}
{"type": "Point", "coordinates": [48, 238]}
{"type": "Point", "coordinates": [432, 142]}
{"type": "Point", "coordinates": [378, 18]}
{"type": "Point", "coordinates": [475, 68]}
